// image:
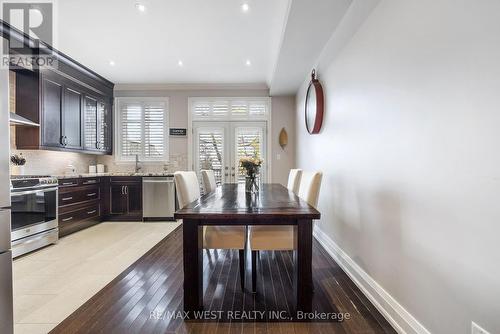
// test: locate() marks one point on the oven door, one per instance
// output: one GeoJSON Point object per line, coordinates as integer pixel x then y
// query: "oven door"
{"type": "Point", "coordinates": [33, 211]}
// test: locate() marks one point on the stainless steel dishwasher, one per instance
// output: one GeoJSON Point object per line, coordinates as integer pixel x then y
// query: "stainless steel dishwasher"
{"type": "Point", "coordinates": [158, 198]}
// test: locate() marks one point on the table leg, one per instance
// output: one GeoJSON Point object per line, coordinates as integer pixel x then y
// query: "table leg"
{"type": "Point", "coordinates": [303, 285]}
{"type": "Point", "coordinates": [193, 265]}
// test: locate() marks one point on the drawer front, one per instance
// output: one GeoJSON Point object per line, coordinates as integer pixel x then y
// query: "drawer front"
{"type": "Point", "coordinates": [80, 195]}
{"type": "Point", "coordinates": [87, 212]}
{"type": "Point", "coordinates": [126, 179]}
{"type": "Point", "coordinates": [86, 181]}
{"type": "Point", "coordinates": [63, 183]}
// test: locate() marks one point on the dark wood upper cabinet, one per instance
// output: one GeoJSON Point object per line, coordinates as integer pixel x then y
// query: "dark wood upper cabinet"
{"type": "Point", "coordinates": [73, 116]}
{"type": "Point", "coordinates": [97, 124]}
{"type": "Point", "coordinates": [52, 95]}
{"type": "Point", "coordinates": [105, 125]}
{"type": "Point", "coordinates": [72, 119]}
{"type": "Point", "coordinates": [71, 103]}
{"type": "Point", "coordinates": [90, 123]}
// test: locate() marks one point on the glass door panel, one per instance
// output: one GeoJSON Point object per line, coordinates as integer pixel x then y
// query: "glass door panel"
{"type": "Point", "coordinates": [248, 141]}
{"type": "Point", "coordinates": [210, 150]}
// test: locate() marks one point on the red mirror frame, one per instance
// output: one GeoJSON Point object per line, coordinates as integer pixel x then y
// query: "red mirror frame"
{"type": "Point", "coordinates": [320, 104]}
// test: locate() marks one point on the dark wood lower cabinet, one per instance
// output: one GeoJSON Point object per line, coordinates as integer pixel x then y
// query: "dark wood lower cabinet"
{"type": "Point", "coordinates": [84, 202]}
{"type": "Point", "coordinates": [79, 204]}
{"type": "Point", "coordinates": [125, 198]}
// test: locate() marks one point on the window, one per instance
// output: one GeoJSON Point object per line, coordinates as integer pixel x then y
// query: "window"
{"type": "Point", "coordinates": [235, 109]}
{"type": "Point", "coordinates": [142, 129]}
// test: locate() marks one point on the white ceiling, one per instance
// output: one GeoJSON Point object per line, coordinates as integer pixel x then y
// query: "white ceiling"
{"type": "Point", "coordinates": [213, 38]}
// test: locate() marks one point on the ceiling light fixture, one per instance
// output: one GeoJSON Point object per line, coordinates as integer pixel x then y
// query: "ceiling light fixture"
{"type": "Point", "coordinates": [140, 7]}
{"type": "Point", "coordinates": [112, 63]}
{"type": "Point", "coordinates": [245, 7]}
{"type": "Point", "coordinates": [248, 62]}
{"type": "Point", "coordinates": [180, 63]}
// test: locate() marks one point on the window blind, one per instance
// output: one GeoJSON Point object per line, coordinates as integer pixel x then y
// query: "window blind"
{"type": "Point", "coordinates": [143, 130]}
{"type": "Point", "coordinates": [230, 108]}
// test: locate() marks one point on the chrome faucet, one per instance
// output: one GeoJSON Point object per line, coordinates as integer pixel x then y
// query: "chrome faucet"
{"type": "Point", "coordinates": [137, 167]}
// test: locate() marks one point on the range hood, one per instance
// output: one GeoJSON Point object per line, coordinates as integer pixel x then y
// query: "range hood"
{"type": "Point", "coordinates": [15, 119]}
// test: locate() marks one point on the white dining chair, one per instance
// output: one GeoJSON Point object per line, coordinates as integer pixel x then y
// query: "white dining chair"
{"type": "Point", "coordinates": [280, 237]}
{"type": "Point", "coordinates": [208, 180]}
{"type": "Point", "coordinates": [214, 237]}
{"type": "Point", "coordinates": [294, 180]}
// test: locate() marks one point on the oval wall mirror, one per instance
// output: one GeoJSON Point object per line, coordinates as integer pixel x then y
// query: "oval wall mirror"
{"type": "Point", "coordinates": [314, 105]}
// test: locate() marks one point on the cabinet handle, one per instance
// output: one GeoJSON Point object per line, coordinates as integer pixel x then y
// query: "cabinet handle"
{"type": "Point", "coordinates": [126, 190]}
{"type": "Point", "coordinates": [91, 194]}
{"type": "Point", "coordinates": [123, 190]}
{"type": "Point", "coordinates": [66, 198]}
{"type": "Point", "coordinates": [67, 219]}
{"type": "Point", "coordinates": [91, 212]}
{"type": "Point", "coordinates": [89, 182]}
{"type": "Point", "coordinates": [67, 183]}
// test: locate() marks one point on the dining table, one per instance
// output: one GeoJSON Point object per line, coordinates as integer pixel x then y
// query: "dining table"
{"type": "Point", "coordinates": [231, 205]}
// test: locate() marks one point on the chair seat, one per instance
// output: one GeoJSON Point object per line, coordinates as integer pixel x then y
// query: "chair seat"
{"type": "Point", "coordinates": [224, 237]}
{"type": "Point", "coordinates": [276, 237]}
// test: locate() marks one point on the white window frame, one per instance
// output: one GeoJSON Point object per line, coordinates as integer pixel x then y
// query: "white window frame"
{"type": "Point", "coordinates": [267, 119]}
{"type": "Point", "coordinates": [119, 159]}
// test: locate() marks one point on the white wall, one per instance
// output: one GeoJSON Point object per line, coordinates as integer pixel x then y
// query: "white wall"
{"type": "Point", "coordinates": [409, 149]}
{"type": "Point", "coordinates": [283, 116]}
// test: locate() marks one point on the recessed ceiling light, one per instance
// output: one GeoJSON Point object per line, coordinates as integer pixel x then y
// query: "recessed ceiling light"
{"type": "Point", "coordinates": [112, 63]}
{"type": "Point", "coordinates": [245, 7]}
{"type": "Point", "coordinates": [140, 7]}
{"type": "Point", "coordinates": [248, 62]}
{"type": "Point", "coordinates": [180, 63]}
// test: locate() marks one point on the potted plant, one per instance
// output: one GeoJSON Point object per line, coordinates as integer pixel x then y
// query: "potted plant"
{"type": "Point", "coordinates": [18, 162]}
{"type": "Point", "coordinates": [251, 166]}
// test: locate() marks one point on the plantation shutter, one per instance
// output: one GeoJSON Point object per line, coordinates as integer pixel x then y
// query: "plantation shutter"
{"type": "Point", "coordinates": [143, 130]}
{"type": "Point", "coordinates": [249, 143]}
{"type": "Point", "coordinates": [211, 151]}
{"type": "Point", "coordinates": [245, 109]}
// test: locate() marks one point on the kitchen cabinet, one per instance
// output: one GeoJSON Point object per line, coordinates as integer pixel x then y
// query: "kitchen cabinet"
{"type": "Point", "coordinates": [97, 125]}
{"type": "Point", "coordinates": [125, 200]}
{"type": "Point", "coordinates": [71, 104]}
{"type": "Point", "coordinates": [72, 118]}
{"type": "Point", "coordinates": [52, 96]}
{"type": "Point", "coordinates": [61, 113]}
{"type": "Point", "coordinates": [79, 205]}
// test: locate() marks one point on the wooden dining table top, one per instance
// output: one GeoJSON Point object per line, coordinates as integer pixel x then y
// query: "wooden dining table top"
{"type": "Point", "coordinates": [231, 201]}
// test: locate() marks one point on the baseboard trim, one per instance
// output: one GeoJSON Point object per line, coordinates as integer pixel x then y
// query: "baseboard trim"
{"type": "Point", "coordinates": [402, 321]}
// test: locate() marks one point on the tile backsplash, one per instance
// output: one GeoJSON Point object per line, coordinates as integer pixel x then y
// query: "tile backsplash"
{"type": "Point", "coordinates": [177, 162]}
{"type": "Point", "coordinates": [41, 162]}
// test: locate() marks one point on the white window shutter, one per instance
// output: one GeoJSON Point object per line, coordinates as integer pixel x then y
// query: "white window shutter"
{"type": "Point", "coordinates": [143, 130]}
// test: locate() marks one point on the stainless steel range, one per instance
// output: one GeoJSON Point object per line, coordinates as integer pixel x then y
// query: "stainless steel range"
{"type": "Point", "coordinates": [33, 213]}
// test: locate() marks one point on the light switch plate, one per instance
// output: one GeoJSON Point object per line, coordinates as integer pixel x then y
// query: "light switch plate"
{"type": "Point", "coordinates": [476, 329]}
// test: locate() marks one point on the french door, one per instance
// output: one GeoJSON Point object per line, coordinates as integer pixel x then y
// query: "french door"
{"type": "Point", "coordinates": [220, 145]}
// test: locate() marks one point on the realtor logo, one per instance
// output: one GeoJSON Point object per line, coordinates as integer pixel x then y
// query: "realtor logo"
{"type": "Point", "coordinates": [35, 21]}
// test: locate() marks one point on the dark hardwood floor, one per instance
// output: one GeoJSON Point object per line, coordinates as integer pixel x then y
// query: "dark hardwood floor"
{"type": "Point", "coordinates": [147, 297]}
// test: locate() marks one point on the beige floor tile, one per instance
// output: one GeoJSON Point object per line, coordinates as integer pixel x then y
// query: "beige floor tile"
{"type": "Point", "coordinates": [33, 328]}
{"type": "Point", "coordinates": [51, 283]}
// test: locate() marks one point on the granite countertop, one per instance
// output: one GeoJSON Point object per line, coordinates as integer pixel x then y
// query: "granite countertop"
{"type": "Point", "coordinates": [83, 175]}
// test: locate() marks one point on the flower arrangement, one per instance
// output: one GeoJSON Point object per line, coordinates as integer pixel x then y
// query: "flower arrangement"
{"type": "Point", "coordinates": [18, 160]}
{"type": "Point", "coordinates": [251, 165]}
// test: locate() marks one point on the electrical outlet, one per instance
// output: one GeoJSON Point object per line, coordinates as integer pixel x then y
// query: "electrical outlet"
{"type": "Point", "coordinates": [476, 329]}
